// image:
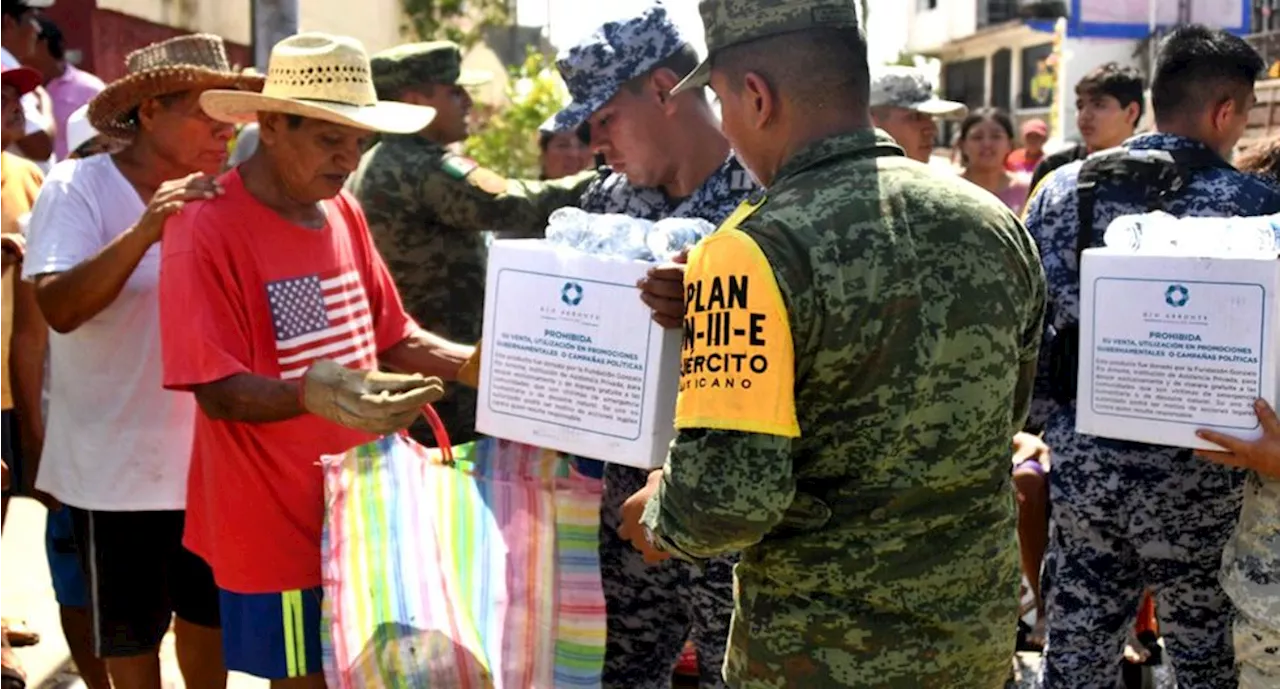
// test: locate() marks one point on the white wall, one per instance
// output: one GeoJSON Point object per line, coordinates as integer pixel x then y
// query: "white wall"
{"type": "Point", "coordinates": [928, 30]}
{"type": "Point", "coordinates": [226, 18]}
{"type": "Point", "coordinates": [1080, 56]}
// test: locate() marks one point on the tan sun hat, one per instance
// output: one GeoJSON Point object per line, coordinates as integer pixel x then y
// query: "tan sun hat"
{"type": "Point", "coordinates": [323, 77]}
{"type": "Point", "coordinates": [183, 63]}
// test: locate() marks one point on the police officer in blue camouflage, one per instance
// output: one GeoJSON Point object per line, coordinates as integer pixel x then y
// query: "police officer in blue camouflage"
{"type": "Point", "coordinates": [666, 158]}
{"type": "Point", "coordinates": [1125, 515]}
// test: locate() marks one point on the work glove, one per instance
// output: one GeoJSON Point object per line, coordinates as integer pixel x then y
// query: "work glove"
{"type": "Point", "coordinates": [370, 401]}
{"type": "Point", "coordinates": [469, 374]}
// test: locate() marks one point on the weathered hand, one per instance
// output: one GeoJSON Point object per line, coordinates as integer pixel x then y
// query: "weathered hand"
{"type": "Point", "coordinates": [170, 197]}
{"type": "Point", "coordinates": [371, 401]}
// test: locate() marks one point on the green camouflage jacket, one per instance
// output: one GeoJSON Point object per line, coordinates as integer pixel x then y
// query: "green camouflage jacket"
{"type": "Point", "coordinates": [859, 348]}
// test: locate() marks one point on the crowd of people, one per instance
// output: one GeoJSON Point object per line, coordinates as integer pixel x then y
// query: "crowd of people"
{"type": "Point", "coordinates": [213, 277]}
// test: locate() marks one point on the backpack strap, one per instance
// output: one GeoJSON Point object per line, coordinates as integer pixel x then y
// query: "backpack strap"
{"type": "Point", "coordinates": [1161, 175]}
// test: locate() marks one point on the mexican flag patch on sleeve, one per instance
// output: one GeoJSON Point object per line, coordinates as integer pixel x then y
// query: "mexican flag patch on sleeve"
{"type": "Point", "coordinates": [457, 166]}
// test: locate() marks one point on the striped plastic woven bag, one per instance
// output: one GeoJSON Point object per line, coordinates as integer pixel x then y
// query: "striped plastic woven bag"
{"type": "Point", "coordinates": [473, 568]}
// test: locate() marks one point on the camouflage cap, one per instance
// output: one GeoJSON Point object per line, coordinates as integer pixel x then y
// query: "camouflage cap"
{"type": "Point", "coordinates": [908, 87]}
{"type": "Point", "coordinates": [612, 55]}
{"type": "Point", "coordinates": [414, 64]}
{"type": "Point", "coordinates": [730, 22]}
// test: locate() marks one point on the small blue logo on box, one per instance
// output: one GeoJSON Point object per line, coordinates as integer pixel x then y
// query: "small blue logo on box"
{"type": "Point", "coordinates": [1177, 296]}
{"type": "Point", "coordinates": [571, 293]}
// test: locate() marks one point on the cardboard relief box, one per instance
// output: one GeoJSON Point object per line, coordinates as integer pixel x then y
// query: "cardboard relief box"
{"type": "Point", "coordinates": [572, 360]}
{"type": "Point", "coordinates": [1172, 344]}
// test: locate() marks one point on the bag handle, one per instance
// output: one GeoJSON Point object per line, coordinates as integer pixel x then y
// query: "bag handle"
{"type": "Point", "coordinates": [442, 435]}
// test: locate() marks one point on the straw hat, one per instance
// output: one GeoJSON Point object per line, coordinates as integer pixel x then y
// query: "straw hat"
{"type": "Point", "coordinates": [322, 77]}
{"type": "Point", "coordinates": [184, 63]}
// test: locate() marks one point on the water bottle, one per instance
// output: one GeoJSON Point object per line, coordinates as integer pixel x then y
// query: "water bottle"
{"type": "Point", "coordinates": [569, 227]}
{"type": "Point", "coordinates": [1160, 233]}
{"type": "Point", "coordinates": [618, 236]}
{"type": "Point", "coordinates": [670, 236]}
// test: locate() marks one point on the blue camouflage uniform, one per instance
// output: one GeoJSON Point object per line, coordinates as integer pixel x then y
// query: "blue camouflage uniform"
{"type": "Point", "coordinates": [652, 609]}
{"type": "Point", "coordinates": [1128, 515]}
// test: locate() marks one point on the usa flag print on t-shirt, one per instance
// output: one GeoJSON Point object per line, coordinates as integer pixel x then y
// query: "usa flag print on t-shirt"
{"type": "Point", "coordinates": [321, 316]}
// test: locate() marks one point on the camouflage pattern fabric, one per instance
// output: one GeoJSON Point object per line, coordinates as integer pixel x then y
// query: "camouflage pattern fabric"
{"type": "Point", "coordinates": [415, 64]}
{"type": "Point", "coordinates": [907, 87]}
{"type": "Point", "coordinates": [1251, 577]}
{"type": "Point", "coordinates": [429, 212]}
{"type": "Point", "coordinates": [653, 609]}
{"type": "Point", "coordinates": [1128, 515]}
{"type": "Point", "coordinates": [596, 67]}
{"type": "Point", "coordinates": [878, 547]}
{"type": "Point", "coordinates": [729, 22]}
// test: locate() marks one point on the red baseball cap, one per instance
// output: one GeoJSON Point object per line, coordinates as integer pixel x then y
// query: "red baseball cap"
{"type": "Point", "coordinates": [24, 79]}
{"type": "Point", "coordinates": [1036, 126]}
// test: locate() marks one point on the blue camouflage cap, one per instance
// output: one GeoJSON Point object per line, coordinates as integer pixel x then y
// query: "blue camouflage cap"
{"type": "Point", "coordinates": [617, 52]}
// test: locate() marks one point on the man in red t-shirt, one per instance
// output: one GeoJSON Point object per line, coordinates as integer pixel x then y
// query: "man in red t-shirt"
{"type": "Point", "coordinates": [276, 312]}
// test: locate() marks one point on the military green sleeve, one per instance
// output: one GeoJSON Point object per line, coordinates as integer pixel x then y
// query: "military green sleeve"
{"type": "Point", "coordinates": [472, 198]}
{"type": "Point", "coordinates": [1029, 360]}
{"type": "Point", "coordinates": [729, 477]}
{"type": "Point", "coordinates": [721, 491]}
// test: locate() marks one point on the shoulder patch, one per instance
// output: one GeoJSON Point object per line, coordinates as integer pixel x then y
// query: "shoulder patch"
{"type": "Point", "coordinates": [737, 358]}
{"type": "Point", "coordinates": [457, 166]}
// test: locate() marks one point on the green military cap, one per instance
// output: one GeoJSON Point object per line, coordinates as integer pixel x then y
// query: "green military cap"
{"type": "Point", "coordinates": [414, 64]}
{"type": "Point", "coordinates": [730, 22]}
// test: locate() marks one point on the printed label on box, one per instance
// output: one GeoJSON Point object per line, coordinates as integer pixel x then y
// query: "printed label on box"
{"type": "Point", "coordinates": [552, 362]}
{"type": "Point", "coordinates": [1178, 351]}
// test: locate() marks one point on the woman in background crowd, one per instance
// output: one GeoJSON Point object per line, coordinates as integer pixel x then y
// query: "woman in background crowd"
{"type": "Point", "coordinates": [563, 154]}
{"type": "Point", "coordinates": [1261, 158]}
{"type": "Point", "coordinates": [986, 139]}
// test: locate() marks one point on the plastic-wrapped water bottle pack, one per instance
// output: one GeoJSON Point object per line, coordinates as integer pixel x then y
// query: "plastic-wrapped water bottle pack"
{"type": "Point", "coordinates": [1160, 233]}
{"type": "Point", "coordinates": [622, 236]}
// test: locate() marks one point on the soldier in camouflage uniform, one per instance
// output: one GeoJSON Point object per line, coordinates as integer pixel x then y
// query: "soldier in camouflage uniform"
{"type": "Point", "coordinates": [904, 105]}
{"type": "Point", "coordinates": [430, 209]}
{"type": "Point", "coordinates": [859, 348]}
{"type": "Point", "coordinates": [668, 159]}
{"type": "Point", "coordinates": [1251, 562]}
{"type": "Point", "coordinates": [1129, 515]}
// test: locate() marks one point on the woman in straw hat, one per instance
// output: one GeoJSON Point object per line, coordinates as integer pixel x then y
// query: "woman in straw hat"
{"type": "Point", "coordinates": [276, 312]}
{"type": "Point", "coordinates": [118, 446]}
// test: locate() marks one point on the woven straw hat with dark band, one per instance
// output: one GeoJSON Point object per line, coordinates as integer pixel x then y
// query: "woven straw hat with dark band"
{"type": "Point", "coordinates": [184, 63]}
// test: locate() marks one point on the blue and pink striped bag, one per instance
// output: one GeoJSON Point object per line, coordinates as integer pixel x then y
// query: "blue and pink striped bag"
{"type": "Point", "coordinates": [475, 567]}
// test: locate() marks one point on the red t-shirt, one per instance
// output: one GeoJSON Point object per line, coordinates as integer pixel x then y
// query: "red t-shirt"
{"type": "Point", "coordinates": [1022, 161]}
{"type": "Point", "coordinates": [244, 291]}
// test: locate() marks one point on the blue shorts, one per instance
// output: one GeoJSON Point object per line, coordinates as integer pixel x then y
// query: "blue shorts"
{"type": "Point", "coordinates": [69, 585]}
{"type": "Point", "coordinates": [272, 635]}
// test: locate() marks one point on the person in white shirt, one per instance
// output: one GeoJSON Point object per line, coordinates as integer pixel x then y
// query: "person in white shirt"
{"type": "Point", "coordinates": [118, 445]}
{"type": "Point", "coordinates": [19, 30]}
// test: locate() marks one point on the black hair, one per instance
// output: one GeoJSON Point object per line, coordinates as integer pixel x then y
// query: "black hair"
{"type": "Point", "coordinates": [1199, 67]}
{"type": "Point", "coordinates": [544, 139]}
{"type": "Point", "coordinates": [53, 38]}
{"type": "Point", "coordinates": [1120, 82]}
{"type": "Point", "coordinates": [15, 8]}
{"type": "Point", "coordinates": [681, 62]}
{"type": "Point", "coordinates": [819, 67]}
{"type": "Point", "coordinates": [996, 115]}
